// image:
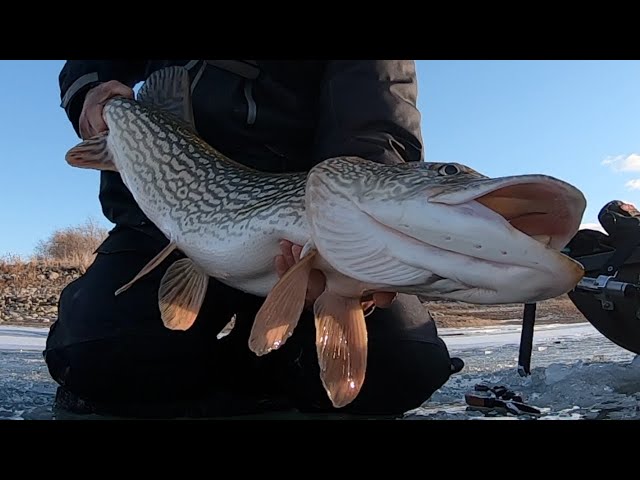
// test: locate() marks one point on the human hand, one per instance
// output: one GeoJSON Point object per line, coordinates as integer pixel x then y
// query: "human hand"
{"type": "Point", "coordinates": [91, 121]}
{"type": "Point", "coordinates": [291, 255]}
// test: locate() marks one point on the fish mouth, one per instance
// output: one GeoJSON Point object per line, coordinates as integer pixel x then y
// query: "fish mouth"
{"type": "Point", "coordinates": [544, 208]}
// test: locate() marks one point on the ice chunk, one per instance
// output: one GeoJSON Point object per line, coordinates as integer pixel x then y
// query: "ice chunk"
{"type": "Point", "coordinates": [556, 372]}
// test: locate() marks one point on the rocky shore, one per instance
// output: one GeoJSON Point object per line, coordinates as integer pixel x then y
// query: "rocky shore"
{"type": "Point", "coordinates": [29, 292]}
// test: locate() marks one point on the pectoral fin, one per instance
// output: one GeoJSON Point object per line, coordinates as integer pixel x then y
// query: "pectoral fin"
{"type": "Point", "coordinates": [93, 153]}
{"type": "Point", "coordinates": [341, 343]}
{"type": "Point", "coordinates": [155, 261]}
{"type": "Point", "coordinates": [280, 312]}
{"type": "Point", "coordinates": [182, 291]}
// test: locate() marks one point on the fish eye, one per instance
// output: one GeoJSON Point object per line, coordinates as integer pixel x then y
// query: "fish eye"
{"type": "Point", "coordinates": [449, 170]}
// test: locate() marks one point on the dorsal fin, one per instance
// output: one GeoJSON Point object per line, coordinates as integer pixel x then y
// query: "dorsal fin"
{"type": "Point", "coordinates": [169, 89]}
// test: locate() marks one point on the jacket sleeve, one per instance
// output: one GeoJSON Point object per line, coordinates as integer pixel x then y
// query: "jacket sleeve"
{"type": "Point", "coordinates": [79, 76]}
{"type": "Point", "coordinates": [368, 108]}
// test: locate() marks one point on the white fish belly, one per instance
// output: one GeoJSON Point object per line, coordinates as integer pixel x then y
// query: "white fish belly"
{"type": "Point", "coordinates": [246, 261]}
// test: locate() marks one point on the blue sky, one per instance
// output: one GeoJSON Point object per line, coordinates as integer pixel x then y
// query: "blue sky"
{"type": "Point", "coordinates": [576, 120]}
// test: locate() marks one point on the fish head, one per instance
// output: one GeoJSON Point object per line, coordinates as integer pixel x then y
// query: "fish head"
{"type": "Point", "coordinates": [477, 239]}
{"type": "Point", "coordinates": [518, 223]}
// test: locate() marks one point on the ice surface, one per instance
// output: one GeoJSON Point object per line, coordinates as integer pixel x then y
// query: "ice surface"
{"type": "Point", "coordinates": [23, 338]}
{"type": "Point", "coordinates": [576, 374]}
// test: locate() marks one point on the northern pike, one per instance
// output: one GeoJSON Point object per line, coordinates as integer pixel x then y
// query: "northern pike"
{"type": "Point", "coordinates": [437, 230]}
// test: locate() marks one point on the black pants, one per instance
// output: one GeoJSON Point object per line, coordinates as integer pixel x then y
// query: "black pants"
{"type": "Point", "coordinates": [116, 351]}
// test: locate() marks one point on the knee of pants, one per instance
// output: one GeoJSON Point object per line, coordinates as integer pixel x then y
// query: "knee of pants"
{"type": "Point", "coordinates": [56, 365]}
{"type": "Point", "coordinates": [127, 368]}
{"type": "Point", "coordinates": [402, 377]}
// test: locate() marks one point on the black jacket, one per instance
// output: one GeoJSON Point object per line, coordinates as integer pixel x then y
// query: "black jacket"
{"type": "Point", "coordinates": [273, 115]}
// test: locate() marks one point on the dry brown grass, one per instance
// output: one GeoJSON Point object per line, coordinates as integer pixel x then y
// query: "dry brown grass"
{"type": "Point", "coordinates": [23, 273]}
{"type": "Point", "coordinates": [68, 248]}
{"type": "Point", "coordinates": [16, 272]}
{"type": "Point", "coordinates": [72, 246]}
{"type": "Point", "coordinates": [458, 314]}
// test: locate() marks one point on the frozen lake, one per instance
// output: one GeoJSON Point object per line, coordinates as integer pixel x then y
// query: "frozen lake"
{"type": "Point", "coordinates": [576, 374]}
